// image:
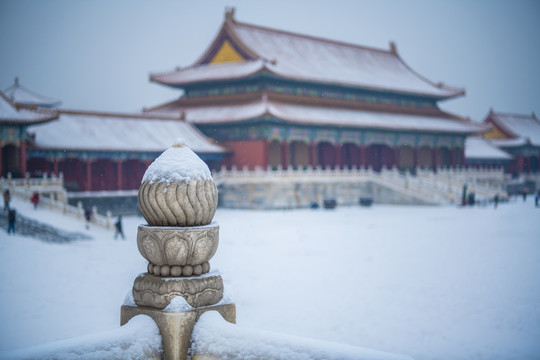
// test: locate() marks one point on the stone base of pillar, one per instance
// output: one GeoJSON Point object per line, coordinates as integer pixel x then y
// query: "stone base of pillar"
{"type": "Point", "coordinates": [176, 328]}
{"type": "Point", "coordinates": [157, 292]}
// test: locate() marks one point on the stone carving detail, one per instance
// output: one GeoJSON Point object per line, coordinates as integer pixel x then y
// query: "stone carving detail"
{"type": "Point", "coordinates": [190, 203]}
{"type": "Point", "coordinates": [157, 292]}
{"type": "Point", "coordinates": [177, 246]}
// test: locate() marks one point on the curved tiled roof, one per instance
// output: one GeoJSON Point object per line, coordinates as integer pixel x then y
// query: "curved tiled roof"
{"type": "Point", "coordinates": [522, 128]}
{"type": "Point", "coordinates": [321, 116]}
{"type": "Point", "coordinates": [119, 132]}
{"type": "Point", "coordinates": [10, 115]}
{"type": "Point", "coordinates": [483, 149]}
{"type": "Point", "coordinates": [306, 58]}
{"type": "Point", "coordinates": [20, 95]}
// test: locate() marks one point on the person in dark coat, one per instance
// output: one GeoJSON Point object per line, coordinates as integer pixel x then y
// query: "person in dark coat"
{"type": "Point", "coordinates": [12, 215]}
{"type": "Point", "coordinates": [7, 199]}
{"type": "Point", "coordinates": [88, 217]}
{"type": "Point", "coordinates": [118, 226]}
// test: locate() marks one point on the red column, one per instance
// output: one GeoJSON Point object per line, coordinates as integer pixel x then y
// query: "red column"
{"type": "Point", "coordinates": [55, 166]}
{"type": "Point", "coordinates": [119, 174]}
{"type": "Point", "coordinates": [453, 158]}
{"type": "Point", "coordinates": [22, 159]}
{"type": "Point", "coordinates": [338, 156]}
{"type": "Point", "coordinates": [415, 157]}
{"type": "Point", "coordinates": [396, 157]}
{"type": "Point", "coordinates": [434, 158]}
{"type": "Point", "coordinates": [312, 154]}
{"type": "Point", "coordinates": [88, 186]}
{"type": "Point", "coordinates": [363, 156]}
{"type": "Point", "coordinates": [520, 164]}
{"type": "Point", "coordinates": [265, 154]}
{"type": "Point", "coordinates": [285, 154]}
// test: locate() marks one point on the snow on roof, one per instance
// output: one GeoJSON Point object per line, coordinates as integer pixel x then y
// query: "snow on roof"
{"type": "Point", "coordinates": [112, 132]}
{"type": "Point", "coordinates": [21, 95]}
{"type": "Point", "coordinates": [526, 127]}
{"type": "Point", "coordinates": [307, 58]}
{"type": "Point", "coordinates": [9, 114]}
{"type": "Point", "coordinates": [480, 148]}
{"type": "Point", "coordinates": [303, 114]}
{"type": "Point", "coordinates": [209, 72]}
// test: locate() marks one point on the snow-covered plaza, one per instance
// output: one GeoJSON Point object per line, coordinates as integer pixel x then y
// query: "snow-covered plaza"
{"type": "Point", "coordinates": [429, 282]}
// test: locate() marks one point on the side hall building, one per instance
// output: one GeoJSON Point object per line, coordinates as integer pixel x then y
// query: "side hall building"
{"type": "Point", "coordinates": [281, 99]}
{"type": "Point", "coordinates": [519, 136]}
{"type": "Point", "coordinates": [93, 150]}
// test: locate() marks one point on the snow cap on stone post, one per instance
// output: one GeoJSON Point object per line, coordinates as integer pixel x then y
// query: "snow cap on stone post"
{"type": "Point", "coordinates": [177, 189]}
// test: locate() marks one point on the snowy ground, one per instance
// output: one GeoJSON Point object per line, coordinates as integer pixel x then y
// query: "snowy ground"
{"type": "Point", "coordinates": [430, 282]}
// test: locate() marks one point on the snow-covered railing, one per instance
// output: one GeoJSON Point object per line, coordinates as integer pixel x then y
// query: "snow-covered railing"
{"type": "Point", "coordinates": [44, 184]}
{"type": "Point", "coordinates": [52, 196]}
{"type": "Point", "coordinates": [215, 338]}
{"type": "Point", "coordinates": [445, 185]}
{"type": "Point", "coordinates": [138, 339]}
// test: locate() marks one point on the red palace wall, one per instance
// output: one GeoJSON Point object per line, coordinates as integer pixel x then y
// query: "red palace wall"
{"type": "Point", "coordinates": [248, 153]}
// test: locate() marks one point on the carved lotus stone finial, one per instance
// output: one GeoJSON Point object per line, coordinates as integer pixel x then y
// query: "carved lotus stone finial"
{"type": "Point", "coordinates": [177, 190]}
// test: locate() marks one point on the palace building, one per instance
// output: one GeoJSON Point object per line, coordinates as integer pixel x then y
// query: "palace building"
{"type": "Point", "coordinates": [518, 135]}
{"type": "Point", "coordinates": [280, 99]}
{"type": "Point", "coordinates": [266, 99]}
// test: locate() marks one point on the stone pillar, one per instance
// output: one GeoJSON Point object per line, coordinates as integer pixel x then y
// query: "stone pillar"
{"type": "Point", "coordinates": [178, 242]}
{"type": "Point", "coordinates": [88, 185]}
{"type": "Point", "coordinates": [22, 158]}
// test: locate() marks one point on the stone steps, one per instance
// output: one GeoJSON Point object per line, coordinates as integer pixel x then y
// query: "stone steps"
{"type": "Point", "coordinates": [32, 228]}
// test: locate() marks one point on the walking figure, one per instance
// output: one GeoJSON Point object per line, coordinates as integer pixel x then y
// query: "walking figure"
{"type": "Point", "coordinates": [88, 217]}
{"type": "Point", "coordinates": [496, 200]}
{"type": "Point", "coordinates": [536, 198]}
{"type": "Point", "coordinates": [524, 193]}
{"type": "Point", "coordinates": [7, 199]}
{"type": "Point", "coordinates": [118, 226]}
{"type": "Point", "coordinates": [12, 214]}
{"type": "Point", "coordinates": [35, 199]}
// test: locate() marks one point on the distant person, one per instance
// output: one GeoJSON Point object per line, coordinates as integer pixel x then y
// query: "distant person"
{"type": "Point", "coordinates": [118, 226]}
{"type": "Point", "coordinates": [35, 200]}
{"type": "Point", "coordinates": [7, 199]}
{"type": "Point", "coordinates": [496, 200]}
{"type": "Point", "coordinates": [12, 216]}
{"type": "Point", "coordinates": [537, 198]}
{"type": "Point", "coordinates": [524, 192]}
{"type": "Point", "coordinates": [88, 217]}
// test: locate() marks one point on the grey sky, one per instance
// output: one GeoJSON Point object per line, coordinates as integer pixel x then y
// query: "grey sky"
{"type": "Point", "coordinates": [97, 55]}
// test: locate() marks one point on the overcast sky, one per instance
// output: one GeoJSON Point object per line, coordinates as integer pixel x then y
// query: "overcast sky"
{"type": "Point", "coordinates": [97, 55]}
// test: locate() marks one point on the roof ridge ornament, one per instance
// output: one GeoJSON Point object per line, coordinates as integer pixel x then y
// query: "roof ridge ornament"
{"type": "Point", "coordinates": [393, 47]}
{"type": "Point", "coordinates": [229, 14]}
